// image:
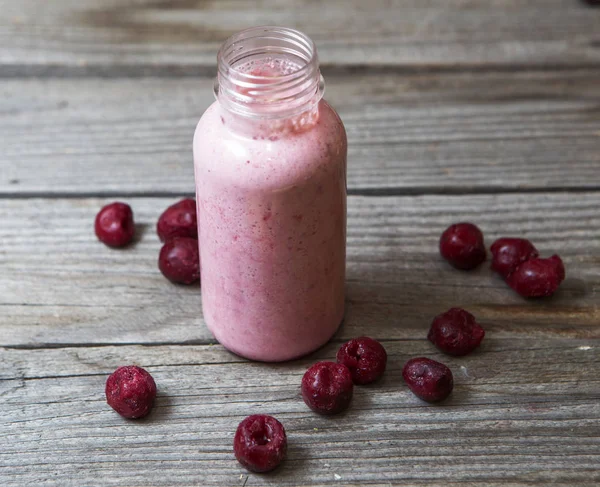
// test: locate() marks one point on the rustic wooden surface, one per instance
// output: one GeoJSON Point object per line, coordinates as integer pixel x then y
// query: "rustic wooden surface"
{"type": "Point", "coordinates": [76, 291]}
{"type": "Point", "coordinates": [103, 36]}
{"type": "Point", "coordinates": [475, 110]}
{"type": "Point", "coordinates": [514, 418]}
{"type": "Point", "coordinates": [407, 133]}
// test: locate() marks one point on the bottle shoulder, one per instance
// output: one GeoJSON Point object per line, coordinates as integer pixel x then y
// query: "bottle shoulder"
{"type": "Point", "coordinates": [216, 125]}
{"type": "Point", "coordinates": [276, 160]}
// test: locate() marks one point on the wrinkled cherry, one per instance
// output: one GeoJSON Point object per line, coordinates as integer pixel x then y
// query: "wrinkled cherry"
{"type": "Point", "coordinates": [365, 358]}
{"type": "Point", "coordinates": [327, 387]}
{"type": "Point", "coordinates": [462, 246]}
{"type": "Point", "coordinates": [260, 443]}
{"type": "Point", "coordinates": [179, 260]}
{"type": "Point", "coordinates": [455, 332]}
{"type": "Point", "coordinates": [178, 220]}
{"type": "Point", "coordinates": [130, 391]}
{"type": "Point", "coordinates": [428, 380]}
{"type": "Point", "coordinates": [114, 225]}
{"type": "Point", "coordinates": [509, 253]}
{"type": "Point", "coordinates": [537, 277]}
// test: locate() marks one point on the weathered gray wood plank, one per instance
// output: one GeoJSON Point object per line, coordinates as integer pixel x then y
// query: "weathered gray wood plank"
{"type": "Point", "coordinates": [61, 286]}
{"type": "Point", "coordinates": [87, 34]}
{"type": "Point", "coordinates": [408, 133]}
{"type": "Point", "coordinates": [522, 413]}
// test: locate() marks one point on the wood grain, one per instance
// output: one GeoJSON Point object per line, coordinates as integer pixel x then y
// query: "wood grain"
{"type": "Point", "coordinates": [105, 36]}
{"type": "Point", "coordinates": [60, 286]}
{"type": "Point", "coordinates": [407, 133]}
{"type": "Point", "coordinates": [538, 398]}
{"type": "Point", "coordinates": [447, 99]}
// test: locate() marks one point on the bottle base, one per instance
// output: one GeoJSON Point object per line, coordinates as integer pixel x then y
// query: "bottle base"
{"type": "Point", "coordinates": [272, 356]}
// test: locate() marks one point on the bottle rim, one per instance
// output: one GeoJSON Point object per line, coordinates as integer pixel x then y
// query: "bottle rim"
{"type": "Point", "coordinates": [260, 96]}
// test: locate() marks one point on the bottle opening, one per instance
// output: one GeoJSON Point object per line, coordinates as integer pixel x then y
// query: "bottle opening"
{"type": "Point", "coordinates": [269, 72]}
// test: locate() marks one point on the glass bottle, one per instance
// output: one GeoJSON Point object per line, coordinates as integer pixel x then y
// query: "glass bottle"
{"type": "Point", "coordinates": [270, 168]}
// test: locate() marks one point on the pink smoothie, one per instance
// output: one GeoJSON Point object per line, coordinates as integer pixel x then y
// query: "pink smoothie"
{"type": "Point", "coordinates": [272, 230]}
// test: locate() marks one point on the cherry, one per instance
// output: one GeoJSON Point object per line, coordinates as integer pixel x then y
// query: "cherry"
{"type": "Point", "coordinates": [462, 246]}
{"type": "Point", "coordinates": [327, 387]}
{"type": "Point", "coordinates": [509, 253]}
{"type": "Point", "coordinates": [365, 358]}
{"type": "Point", "coordinates": [130, 391]}
{"type": "Point", "coordinates": [114, 225]}
{"type": "Point", "coordinates": [455, 332]}
{"type": "Point", "coordinates": [179, 260]}
{"type": "Point", "coordinates": [428, 380]}
{"type": "Point", "coordinates": [260, 443]}
{"type": "Point", "coordinates": [537, 277]}
{"type": "Point", "coordinates": [178, 220]}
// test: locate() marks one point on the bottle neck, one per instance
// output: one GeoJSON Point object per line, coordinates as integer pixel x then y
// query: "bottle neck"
{"type": "Point", "coordinates": [270, 75]}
